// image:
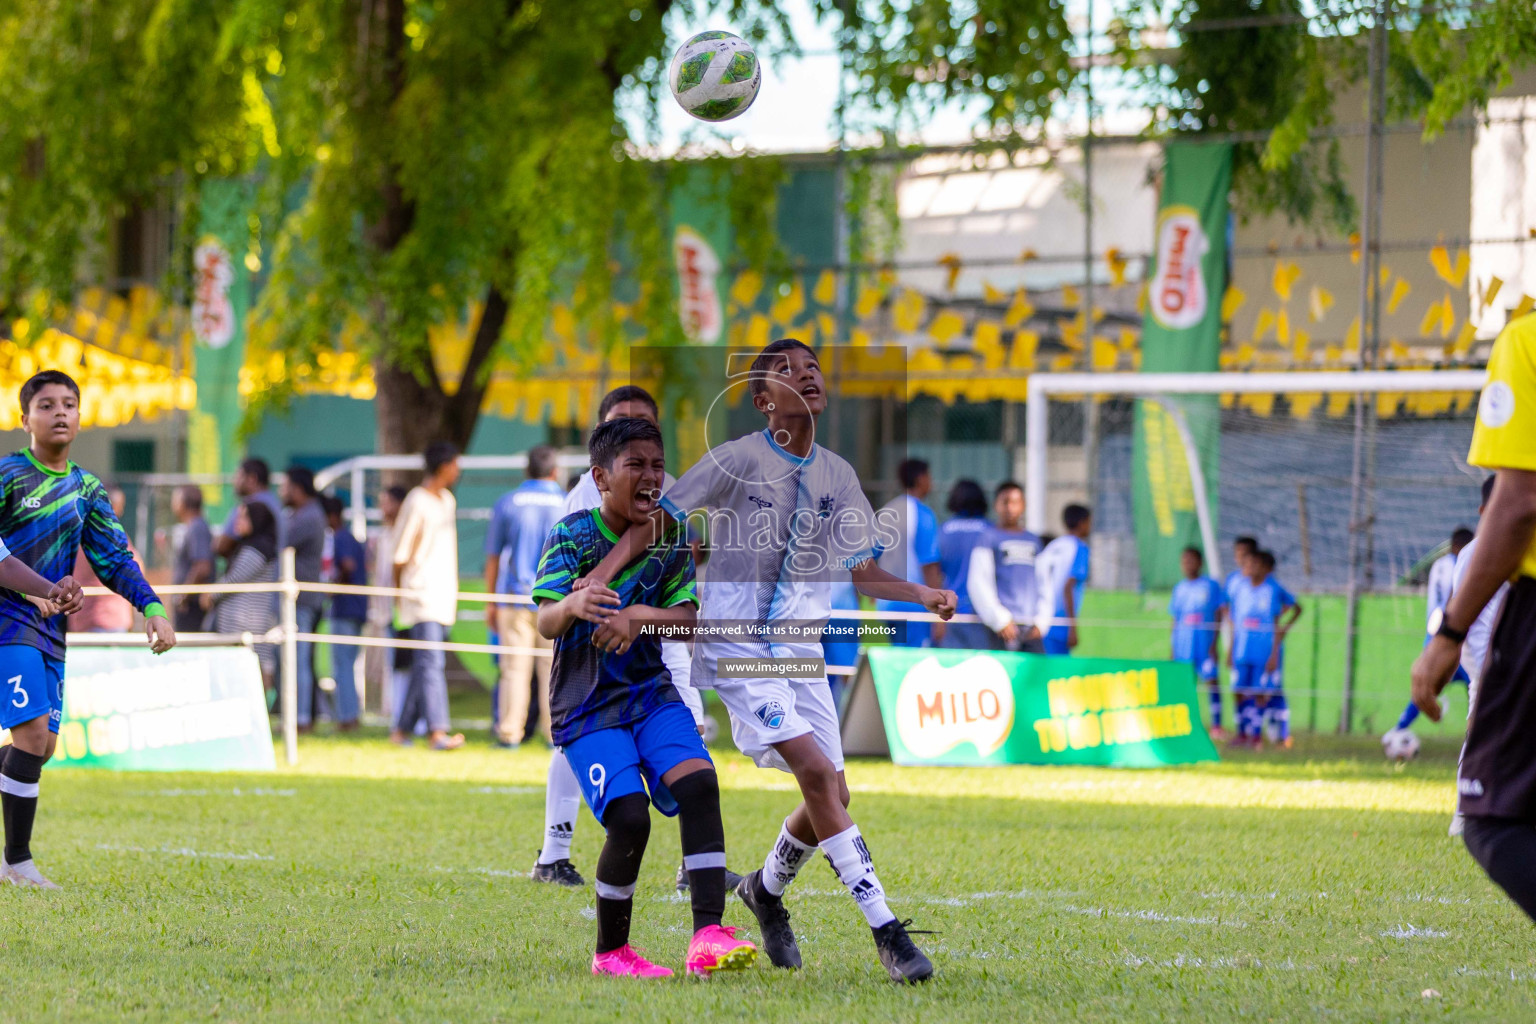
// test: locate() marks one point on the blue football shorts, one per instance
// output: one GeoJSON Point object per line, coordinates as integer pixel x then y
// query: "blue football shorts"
{"type": "Point", "coordinates": [31, 684]}
{"type": "Point", "coordinates": [1253, 679]}
{"type": "Point", "coordinates": [611, 763]}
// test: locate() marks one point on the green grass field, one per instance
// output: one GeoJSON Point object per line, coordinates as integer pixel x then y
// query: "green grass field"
{"type": "Point", "coordinates": [375, 883]}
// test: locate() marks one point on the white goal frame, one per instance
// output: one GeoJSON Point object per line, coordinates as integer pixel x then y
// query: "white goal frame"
{"type": "Point", "coordinates": [1161, 387]}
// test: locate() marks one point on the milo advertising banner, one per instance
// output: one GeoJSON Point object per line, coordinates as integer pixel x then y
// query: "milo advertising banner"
{"type": "Point", "coordinates": [192, 708]}
{"type": "Point", "coordinates": [1181, 331]}
{"type": "Point", "coordinates": [951, 707]}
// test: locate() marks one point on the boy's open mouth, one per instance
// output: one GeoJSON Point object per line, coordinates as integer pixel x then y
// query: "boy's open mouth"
{"type": "Point", "coordinates": [811, 391]}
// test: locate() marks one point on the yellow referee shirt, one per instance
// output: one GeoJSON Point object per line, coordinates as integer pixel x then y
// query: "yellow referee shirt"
{"type": "Point", "coordinates": [1505, 434]}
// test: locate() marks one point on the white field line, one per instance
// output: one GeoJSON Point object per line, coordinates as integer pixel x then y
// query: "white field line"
{"type": "Point", "coordinates": [237, 791]}
{"type": "Point", "coordinates": [505, 790]}
{"type": "Point", "coordinates": [1418, 898]}
{"type": "Point", "coordinates": [182, 851]}
{"type": "Point", "coordinates": [488, 872]}
{"type": "Point", "coordinates": [1411, 931]}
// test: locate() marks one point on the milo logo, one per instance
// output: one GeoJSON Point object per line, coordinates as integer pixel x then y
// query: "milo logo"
{"type": "Point", "coordinates": [939, 708]}
{"type": "Point", "coordinates": [1178, 296]}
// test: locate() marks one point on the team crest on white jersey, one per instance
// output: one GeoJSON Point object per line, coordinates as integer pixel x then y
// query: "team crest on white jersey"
{"type": "Point", "coordinates": [771, 714]}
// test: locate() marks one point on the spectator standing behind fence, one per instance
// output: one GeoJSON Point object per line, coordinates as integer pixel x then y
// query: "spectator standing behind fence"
{"type": "Point", "coordinates": [915, 558]}
{"type": "Point", "coordinates": [253, 559]}
{"type": "Point", "coordinates": [304, 531]}
{"type": "Point", "coordinates": [1001, 578]}
{"type": "Point", "coordinates": [958, 537]}
{"type": "Point", "coordinates": [106, 613]}
{"type": "Point", "coordinates": [520, 523]}
{"type": "Point", "coordinates": [426, 560]}
{"type": "Point", "coordinates": [191, 556]}
{"type": "Point", "coordinates": [381, 664]}
{"type": "Point", "coordinates": [1061, 573]}
{"type": "Point", "coordinates": [252, 481]}
{"type": "Point", "coordinates": [349, 564]}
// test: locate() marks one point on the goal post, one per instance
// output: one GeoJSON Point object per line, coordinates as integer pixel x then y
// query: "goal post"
{"type": "Point", "coordinates": [1355, 479]}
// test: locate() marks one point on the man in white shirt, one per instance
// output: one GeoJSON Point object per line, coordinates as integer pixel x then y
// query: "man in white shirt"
{"type": "Point", "coordinates": [427, 561]}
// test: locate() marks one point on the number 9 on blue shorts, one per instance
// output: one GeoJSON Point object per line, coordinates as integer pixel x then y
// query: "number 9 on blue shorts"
{"type": "Point", "coordinates": [30, 685]}
{"type": "Point", "coordinates": [611, 763]}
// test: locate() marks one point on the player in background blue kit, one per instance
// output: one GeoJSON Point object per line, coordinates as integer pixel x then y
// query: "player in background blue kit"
{"type": "Point", "coordinates": [615, 712]}
{"type": "Point", "coordinates": [958, 538]}
{"type": "Point", "coordinates": [1196, 607]}
{"type": "Point", "coordinates": [1442, 580]}
{"type": "Point", "coordinates": [1262, 613]}
{"type": "Point", "coordinates": [1061, 574]}
{"type": "Point", "coordinates": [50, 510]}
{"type": "Point", "coordinates": [1001, 579]}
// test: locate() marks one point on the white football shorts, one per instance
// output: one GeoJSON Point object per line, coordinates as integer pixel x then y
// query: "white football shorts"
{"type": "Point", "coordinates": [766, 710]}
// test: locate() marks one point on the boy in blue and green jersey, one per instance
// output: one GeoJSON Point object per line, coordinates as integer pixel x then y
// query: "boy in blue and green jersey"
{"type": "Point", "coordinates": [51, 509]}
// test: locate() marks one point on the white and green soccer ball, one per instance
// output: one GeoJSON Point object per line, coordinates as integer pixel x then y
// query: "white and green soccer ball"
{"type": "Point", "coordinates": [715, 76]}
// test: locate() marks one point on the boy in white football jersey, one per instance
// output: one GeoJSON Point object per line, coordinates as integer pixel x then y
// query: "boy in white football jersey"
{"type": "Point", "coordinates": [784, 515]}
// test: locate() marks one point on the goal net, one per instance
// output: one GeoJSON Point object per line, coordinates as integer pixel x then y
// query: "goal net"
{"type": "Point", "coordinates": [1354, 481]}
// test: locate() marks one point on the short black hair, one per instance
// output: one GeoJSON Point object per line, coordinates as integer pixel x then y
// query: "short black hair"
{"type": "Point", "coordinates": [1488, 487]}
{"type": "Point", "coordinates": [333, 505]}
{"type": "Point", "coordinates": [1251, 543]}
{"type": "Point", "coordinates": [1073, 516]}
{"type": "Point", "coordinates": [42, 379]}
{"type": "Point", "coordinates": [1461, 537]}
{"type": "Point", "coordinates": [910, 472]}
{"type": "Point", "coordinates": [1007, 485]}
{"type": "Point", "coordinates": [610, 438]}
{"type": "Point", "coordinates": [439, 454]}
{"type": "Point", "coordinates": [396, 491]}
{"type": "Point", "coordinates": [257, 469]}
{"type": "Point", "coordinates": [625, 393]}
{"type": "Point", "coordinates": [1192, 550]}
{"type": "Point", "coordinates": [1264, 558]}
{"type": "Point", "coordinates": [303, 478]}
{"type": "Point", "coordinates": [966, 498]}
{"type": "Point", "coordinates": [191, 496]}
{"type": "Point", "coordinates": [543, 460]}
{"type": "Point", "coordinates": [762, 365]}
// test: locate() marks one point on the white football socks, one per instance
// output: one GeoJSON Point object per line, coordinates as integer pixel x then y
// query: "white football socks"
{"type": "Point", "coordinates": [562, 803]}
{"type": "Point", "coordinates": [855, 868]}
{"type": "Point", "coordinates": [785, 859]}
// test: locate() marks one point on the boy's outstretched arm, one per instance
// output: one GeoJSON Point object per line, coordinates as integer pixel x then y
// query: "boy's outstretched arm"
{"type": "Point", "coordinates": [594, 604]}
{"type": "Point", "coordinates": [872, 581]}
{"type": "Point", "coordinates": [633, 542]}
{"type": "Point", "coordinates": [621, 629]}
{"type": "Point", "coordinates": [17, 575]}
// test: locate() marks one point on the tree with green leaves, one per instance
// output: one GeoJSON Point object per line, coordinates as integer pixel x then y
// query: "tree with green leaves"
{"type": "Point", "coordinates": [415, 159]}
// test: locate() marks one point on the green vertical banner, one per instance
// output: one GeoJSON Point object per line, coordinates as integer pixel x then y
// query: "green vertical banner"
{"type": "Point", "coordinates": [1181, 332]}
{"type": "Point", "coordinates": [221, 296]}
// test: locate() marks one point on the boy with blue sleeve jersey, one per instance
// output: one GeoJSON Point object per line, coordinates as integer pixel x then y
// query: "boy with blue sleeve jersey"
{"type": "Point", "coordinates": [1062, 572]}
{"type": "Point", "coordinates": [1196, 607]}
{"type": "Point", "coordinates": [1262, 613]}
{"type": "Point", "coordinates": [615, 712]}
{"type": "Point", "coordinates": [50, 510]}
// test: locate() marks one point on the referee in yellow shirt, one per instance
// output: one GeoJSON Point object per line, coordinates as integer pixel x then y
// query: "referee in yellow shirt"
{"type": "Point", "coordinates": [1497, 780]}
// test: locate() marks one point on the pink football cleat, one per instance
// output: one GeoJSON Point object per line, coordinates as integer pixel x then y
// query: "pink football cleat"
{"type": "Point", "coordinates": [624, 962]}
{"type": "Point", "coordinates": [716, 948]}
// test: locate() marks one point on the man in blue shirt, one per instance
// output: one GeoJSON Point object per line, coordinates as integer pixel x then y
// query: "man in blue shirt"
{"type": "Point", "coordinates": [1262, 613]}
{"type": "Point", "coordinates": [520, 524]}
{"type": "Point", "coordinates": [1196, 609]}
{"type": "Point", "coordinates": [914, 556]}
{"type": "Point", "coordinates": [349, 565]}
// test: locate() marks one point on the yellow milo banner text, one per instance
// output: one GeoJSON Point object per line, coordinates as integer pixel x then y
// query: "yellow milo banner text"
{"type": "Point", "coordinates": [949, 707]}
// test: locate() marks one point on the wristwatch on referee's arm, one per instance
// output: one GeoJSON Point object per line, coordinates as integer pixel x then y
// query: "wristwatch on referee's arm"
{"type": "Point", "coordinates": [1440, 627]}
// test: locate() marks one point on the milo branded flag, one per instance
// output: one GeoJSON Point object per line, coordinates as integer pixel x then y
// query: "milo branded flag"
{"type": "Point", "coordinates": [951, 707]}
{"type": "Point", "coordinates": [221, 295]}
{"type": "Point", "coordinates": [1181, 332]}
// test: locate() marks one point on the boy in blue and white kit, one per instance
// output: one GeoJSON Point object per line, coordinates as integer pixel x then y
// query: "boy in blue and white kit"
{"type": "Point", "coordinates": [614, 711]}
{"type": "Point", "coordinates": [1442, 580]}
{"type": "Point", "coordinates": [1001, 579]}
{"type": "Point", "coordinates": [1062, 573]}
{"type": "Point", "coordinates": [1196, 607]}
{"type": "Point", "coordinates": [1262, 613]}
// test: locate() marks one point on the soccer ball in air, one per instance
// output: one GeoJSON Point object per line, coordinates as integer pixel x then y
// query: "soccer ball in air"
{"type": "Point", "coordinates": [1400, 745]}
{"type": "Point", "coordinates": [715, 76]}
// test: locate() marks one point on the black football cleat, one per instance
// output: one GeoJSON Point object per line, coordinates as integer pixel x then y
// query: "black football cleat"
{"type": "Point", "coordinates": [903, 961]}
{"type": "Point", "coordinates": [561, 872]}
{"type": "Point", "coordinates": [772, 921]}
